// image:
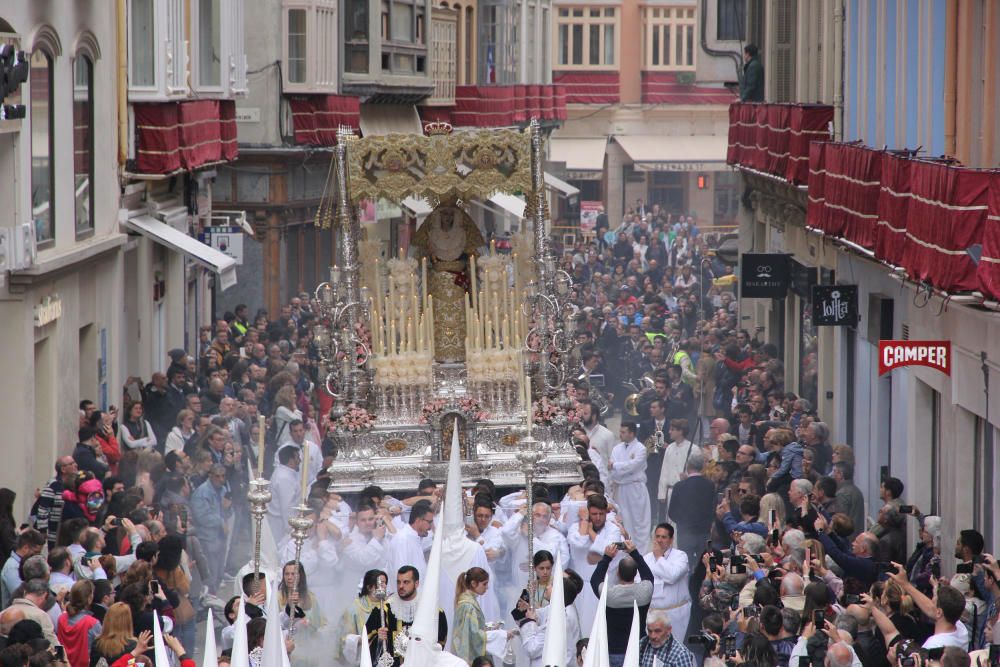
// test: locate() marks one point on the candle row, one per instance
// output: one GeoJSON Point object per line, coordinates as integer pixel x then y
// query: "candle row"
{"type": "Point", "coordinates": [403, 318]}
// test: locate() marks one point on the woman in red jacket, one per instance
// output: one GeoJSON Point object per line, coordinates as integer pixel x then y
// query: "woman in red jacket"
{"type": "Point", "coordinates": [103, 422]}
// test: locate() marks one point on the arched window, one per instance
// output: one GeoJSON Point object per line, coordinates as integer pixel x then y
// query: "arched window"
{"type": "Point", "coordinates": [83, 143]}
{"type": "Point", "coordinates": [45, 47]}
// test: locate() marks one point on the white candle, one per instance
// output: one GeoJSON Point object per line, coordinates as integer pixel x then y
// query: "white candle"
{"type": "Point", "coordinates": [304, 468]}
{"type": "Point", "coordinates": [472, 284]}
{"type": "Point", "coordinates": [527, 400]}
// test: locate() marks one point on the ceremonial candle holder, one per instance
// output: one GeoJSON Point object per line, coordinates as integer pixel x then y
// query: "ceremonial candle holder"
{"type": "Point", "coordinates": [300, 524]}
{"type": "Point", "coordinates": [529, 455]}
{"type": "Point", "coordinates": [259, 497]}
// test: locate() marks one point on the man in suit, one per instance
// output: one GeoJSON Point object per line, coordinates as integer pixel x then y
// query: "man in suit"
{"type": "Point", "coordinates": [655, 426]}
{"type": "Point", "coordinates": [692, 508]}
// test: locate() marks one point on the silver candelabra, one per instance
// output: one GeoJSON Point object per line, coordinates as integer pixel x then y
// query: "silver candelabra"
{"type": "Point", "coordinates": [529, 455]}
{"type": "Point", "coordinates": [547, 298]}
{"type": "Point", "coordinates": [300, 524]}
{"type": "Point", "coordinates": [343, 304]}
{"type": "Point", "coordinates": [259, 496]}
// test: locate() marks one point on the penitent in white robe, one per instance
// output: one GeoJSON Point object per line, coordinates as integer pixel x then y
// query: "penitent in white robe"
{"type": "Point", "coordinates": [628, 473]}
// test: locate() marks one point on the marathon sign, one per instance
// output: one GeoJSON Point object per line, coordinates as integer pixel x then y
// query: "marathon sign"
{"type": "Point", "coordinates": [835, 305]}
{"type": "Point", "coordinates": [893, 354]}
{"type": "Point", "coordinates": [764, 276]}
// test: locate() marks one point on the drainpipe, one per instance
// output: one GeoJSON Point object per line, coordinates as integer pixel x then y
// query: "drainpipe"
{"type": "Point", "coordinates": [735, 56]}
{"type": "Point", "coordinates": [122, 82]}
{"type": "Point", "coordinates": [950, 75]}
{"type": "Point", "coordinates": [839, 51]}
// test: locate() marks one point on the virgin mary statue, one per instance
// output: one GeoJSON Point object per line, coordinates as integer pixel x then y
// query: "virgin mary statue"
{"type": "Point", "coordinates": [449, 238]}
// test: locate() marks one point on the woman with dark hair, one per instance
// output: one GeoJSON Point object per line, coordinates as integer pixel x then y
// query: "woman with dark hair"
{"type": "Point", "coordinates": [8, 525]}
{"type": "Point", "coordinates": [468, 639]}
{"type": "Point", "coordinates": [307, 612]}
{"type": "Point", "coordinates": [135, 432]}
{"type": "Point", "coordinates": [176, 587]}
{"type": "Point", "coordinates": [817, 597]}
{"type": "Point", "coordinates": [364, 616]}
{"type": "Point", "coordinates": [543, 562]}
{"type": "Point", "coordinates": [757, 651]}
{"type": "Point", "coordinates": [142, 602]}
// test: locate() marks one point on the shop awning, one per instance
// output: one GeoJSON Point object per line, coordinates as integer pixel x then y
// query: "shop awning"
{"type": "Point", "coordinates": [175, 239]}
{"type": "Point", "coordinates": [584, 158]}
{"type": "Point", "coordinates": [509, 203]}
{"type": "Point", "coordinates": [383, 119]}
{"type": "Point", "coordinates": [699, 152]}
{"type": "Point", "coordinates": [560, 186]}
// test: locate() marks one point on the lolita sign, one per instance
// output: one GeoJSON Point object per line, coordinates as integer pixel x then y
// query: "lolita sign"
{"type": "Point", "coordinates": [764, 276]}
{"type": "Point", "coordinates": [894, 354]}
{"type": "Point", "coordinates": [835, 305]}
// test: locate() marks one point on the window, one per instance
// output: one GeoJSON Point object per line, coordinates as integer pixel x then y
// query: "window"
{"type": "Point", "coordinates": [444, 61]}
{"type": "Point", "coordinates": [83, 143]}
{"type": "Point", "coordinates": [297, 45]}
{"type": "Point", "coordinates": [209, 46]}
{"type": "Point", "coordinates": [356, 37]}
{"type": "Point", "coordinates": [727, 197]}
{"type": "Point", "coordinates": [311, 56]}
{"type": "Point", "coordinates": [669, 38]}
{"type": "Point", "coordinates": [586, 37]}
{"type": "Point", "coordinates": [730, 23]}
{"type": "Point", "coordinates": [142, 60]}
{"type": "Point", "coordinates": [42, 147]}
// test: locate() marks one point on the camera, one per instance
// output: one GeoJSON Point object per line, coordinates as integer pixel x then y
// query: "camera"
{"type": "Point", "coordinates": [751, 611]}
{"type": "Point", "coordinates": [729, 645]}
{"type": "Point", "coordinates": [705, 639]}
{"type": "Point", "coordinates": [736, 559]}
{"type": "Point", "coordinates": [621, 545]}
{"type": "Point", "coordinates": [850, 599]}
{"type": "Point", "coordinates": [906, 509]}
{"type": "Point", "coordinates": [964, 568]}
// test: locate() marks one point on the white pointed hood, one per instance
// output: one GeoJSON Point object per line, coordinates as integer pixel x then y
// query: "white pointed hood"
{"type": "Point", "coordinates": [159, 648]}
{"type": "Point", "coordinates": [241, 652]}
{"type": "Point", "coordinates": [597, 647]}
{"type": "Point", "coordinates": [274, 654]}
{"type": "Point", "coordinates": [366, 654]}
{"type": "Point", "coordinates": [453, 516]}
{"type": "Point", "coordinates": [425, 620]}
{"type": "Point", "coordinates": [554, 653]}
{"type": "Point", "coordinates": [632, 650]}
{"type": "Point", "coordinates": [210, 657]}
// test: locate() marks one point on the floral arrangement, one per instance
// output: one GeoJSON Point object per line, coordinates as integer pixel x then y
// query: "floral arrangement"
{"type": "Point", "coordinates": [468, 405]}
{"type": "Point", "coordinates": [547, 412]}
{"type": "Point", "coordinates": [356, 419]}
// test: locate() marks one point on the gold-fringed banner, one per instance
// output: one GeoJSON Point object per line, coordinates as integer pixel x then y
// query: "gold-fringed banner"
{"type": "Point", "coordinates": [465, 165]}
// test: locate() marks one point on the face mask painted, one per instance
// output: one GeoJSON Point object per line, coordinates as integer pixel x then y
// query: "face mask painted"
{"type": "Point", "coordinates": [94, 502]}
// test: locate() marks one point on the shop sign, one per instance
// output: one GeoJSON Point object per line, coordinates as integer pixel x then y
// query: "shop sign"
{"type": "Point", "coordinates": [227, 239]}
{"type": "Point", "coordinates": [894, 354]}
{"type": "Point", "coordinates": [48, 311]}
{"type": "Point", "coordinates": [835, 305]}
{"type": "Point", "coordinates": [589, 210]}
{"type": "Point", "coordinates": [764, 276]}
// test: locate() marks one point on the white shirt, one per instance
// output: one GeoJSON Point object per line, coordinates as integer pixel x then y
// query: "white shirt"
{"type": "Point", "coordinates": [549, 539]}
{"type": "Point", "coordinates": [674, 461]}
{"type": "Point", "coordinates": [533, 636]}
{"type": "Point", "coordinates": [314, 456]}
{"type": "Point", "coordinates": [405, 548]}
{"type": "Point", "coordinates": [602, 440]}
{"type": "Point", "coordinates": [630, 463]}
{"type": "Point", "coordinates": [959, 638]}
{"type": "Point", "coordinates": [670, 578]}
{"type": "Point", "coordinates": [285, 495]}
{"type": "Point", "coordinates": [582, 545]}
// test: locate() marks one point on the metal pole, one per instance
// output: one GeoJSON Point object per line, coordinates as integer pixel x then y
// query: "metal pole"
{"type": "Point", "coordinates": [300, 525]}
{"type": "Point", "coordinates": [259, 496]}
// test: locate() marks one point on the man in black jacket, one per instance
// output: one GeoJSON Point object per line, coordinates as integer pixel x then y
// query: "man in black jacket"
{"type": "Point", "coordinates": [622, 595]}
{"type": "Point", "coordinates": [692, 508]}
{"type": "Point", "coordinates": [86, 453]}
{"type": "Point", "coordinates": [752, 85]}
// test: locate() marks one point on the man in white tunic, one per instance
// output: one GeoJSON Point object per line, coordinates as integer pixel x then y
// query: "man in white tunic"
{"type": "Point", "coordinates": [309, 450]}
{"type": "Point", "coordinates": [365, 548]}
{"type": "Point", "coordinates": [601, 441]}
{"type": "Point", "coordinates": [675, 458]}
{"type": "Point", "coordinates": [285, 490]}
{"type": "Point", "coordinates": [406, 547]}
{"type": "Point", "coordinates": [628, 473]}
{"type": "Point", "coordinates": [587, 541]}
{"type": "Point", "coordinates": [515, 536]}
{"type": "Point", "coordinates": [670, 580]}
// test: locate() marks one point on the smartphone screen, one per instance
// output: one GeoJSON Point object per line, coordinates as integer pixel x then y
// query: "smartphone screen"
{"type": "Point", "coordinates": [819, 619]}
{"type": "Point", "coordinates": [773, 518]}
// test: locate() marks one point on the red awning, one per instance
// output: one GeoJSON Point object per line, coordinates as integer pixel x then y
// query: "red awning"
{"type": "Point", "coordinates": [946, 215]}
{"type": "Point", "coordinates": [847, 180]}
{"type": "Point", "coordinates": [989, 265]}
{"type": "Point", "coordinates": [775, 138]}
{"type": "Point", "coordinates": [664, 88]}
{"type": "Point", "coordinates": [893, 208]}
{"type": "Point", "coordinates": [500, 106]}
{"type": "Point", "coordinates": [589, 87]}
{"type": "Point", "coordinates": [315, 118]}
{"type": "Point", "coordinates": [174, 136]}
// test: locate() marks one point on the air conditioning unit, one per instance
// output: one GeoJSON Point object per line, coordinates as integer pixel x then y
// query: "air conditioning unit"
{"type": "Point", "coordinates": [5, 250]}
{"type": "Point", "coordinates": [25, 250]}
